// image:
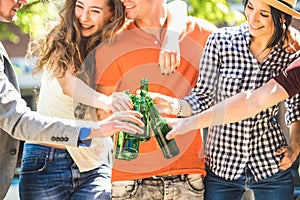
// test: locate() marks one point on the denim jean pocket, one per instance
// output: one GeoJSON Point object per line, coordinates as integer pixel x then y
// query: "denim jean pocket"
{"type": "Point", "coordinates": [33, 164]}
{"type": "Point", "coordinates": [195, 182]}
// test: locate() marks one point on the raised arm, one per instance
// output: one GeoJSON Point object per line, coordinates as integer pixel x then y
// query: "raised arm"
{"type": "Point", "coordinates": [20, 122]}
{"type": "Point", "coordinates": [169, 57]}
{"type": "Point", "coordinates": [233, 109]}
{"type": "Point", "coordinates": [81, 92]}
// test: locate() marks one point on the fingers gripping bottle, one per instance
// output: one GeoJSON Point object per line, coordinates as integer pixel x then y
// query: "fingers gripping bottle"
{"type": "Point", "coordinates": [127, 144]}
{"type": "Point", "coordinates": [161, 128]}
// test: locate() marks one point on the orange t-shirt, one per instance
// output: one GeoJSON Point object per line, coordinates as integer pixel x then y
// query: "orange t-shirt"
{"type": "Point", "coordinates": [133, 56]}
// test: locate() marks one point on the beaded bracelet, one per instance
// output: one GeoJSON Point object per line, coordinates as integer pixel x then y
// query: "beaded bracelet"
{"type": "Point", "coordinates": [180, 108]}
{"type": "Point", "coordinates": [172, 106]}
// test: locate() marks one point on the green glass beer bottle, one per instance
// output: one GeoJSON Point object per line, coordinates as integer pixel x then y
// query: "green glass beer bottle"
{"type": "Point", "coordinates": [127, 144]}
{"type": "Point", "coordinates": [144, 87]}
{"type": "Point", "coordinates": [144, 110]}
{"type": "Point", "coordinates": [161, 128]}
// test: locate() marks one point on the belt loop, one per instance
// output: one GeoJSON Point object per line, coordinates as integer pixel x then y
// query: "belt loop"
{"type": "Point", "coordinates": [183, 177]}
{"type": "Point", "coordinates": [51, 154]}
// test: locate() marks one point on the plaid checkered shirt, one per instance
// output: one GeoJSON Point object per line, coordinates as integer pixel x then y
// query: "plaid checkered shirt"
{"type": "Point", "coordinates": [227, 68]}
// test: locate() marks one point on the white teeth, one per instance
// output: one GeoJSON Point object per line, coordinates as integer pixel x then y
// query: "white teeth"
{"type": "Point", "coordinates": [128, 6]}
{"type": "Point", "coordinates": [85, 26]}
{"type": "Point", "coordinates": [256, 27]}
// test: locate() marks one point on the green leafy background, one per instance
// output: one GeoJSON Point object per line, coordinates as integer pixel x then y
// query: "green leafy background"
{"type": "Point", "coordinates": [32, 17]}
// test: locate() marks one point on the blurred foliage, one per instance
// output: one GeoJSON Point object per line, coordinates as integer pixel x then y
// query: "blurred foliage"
{"type": "Point", "coordinates": [31, 20]}
{"type": "Point", "coordinates": [5, 33]}
{"type": "Point", "coordinates": [32, 17]}
{"type": "Point", "coordinates": [219, 12]}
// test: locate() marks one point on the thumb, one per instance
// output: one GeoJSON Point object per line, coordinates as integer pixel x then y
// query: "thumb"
{"type": "Point", "coordinates": [170, 135]}
{"type": "Point", "coordinates": [280, 151]}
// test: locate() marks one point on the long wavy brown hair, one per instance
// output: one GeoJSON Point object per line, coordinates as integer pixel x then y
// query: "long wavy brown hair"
{"type": "Point", "coordinates": [63, 48]}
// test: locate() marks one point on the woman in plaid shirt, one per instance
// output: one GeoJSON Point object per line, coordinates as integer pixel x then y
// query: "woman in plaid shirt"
{"type": "Point", "coordinates": [241, 155]}
{"type": "Point", "coordinates": [251, 102]}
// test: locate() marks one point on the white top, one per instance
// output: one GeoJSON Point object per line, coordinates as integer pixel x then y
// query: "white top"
{"type": "Point", "coordinates": [53, 102]}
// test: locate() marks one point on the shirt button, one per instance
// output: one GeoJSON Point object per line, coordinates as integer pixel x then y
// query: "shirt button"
{"type": "Point", "coordinates": [13, 151]}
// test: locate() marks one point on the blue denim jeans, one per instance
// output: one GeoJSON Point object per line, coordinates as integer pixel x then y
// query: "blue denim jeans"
{"type": "Point", "coordinates": [50, 173]}
{"type": "Point", "coordinates": [181, 187]}
{"type": "Point", "coordinates": [278, 187]}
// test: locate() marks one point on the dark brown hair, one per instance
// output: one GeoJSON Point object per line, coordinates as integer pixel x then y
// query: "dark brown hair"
{"type": "Point", "coordinates": [279, 17]}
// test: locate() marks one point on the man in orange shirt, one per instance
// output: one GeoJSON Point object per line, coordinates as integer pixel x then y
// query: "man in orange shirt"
{"type": "Point", "coordinates": [121, 66]}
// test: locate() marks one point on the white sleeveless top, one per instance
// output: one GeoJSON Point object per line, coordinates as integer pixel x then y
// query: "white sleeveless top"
{"type": "Point", "coordinates": [52, 102]}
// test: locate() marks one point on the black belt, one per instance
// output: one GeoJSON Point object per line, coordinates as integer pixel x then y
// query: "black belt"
{"type": "Point", "coordinates": [159, 179]}
{"type": "Point", "coordinates": [170, 177]}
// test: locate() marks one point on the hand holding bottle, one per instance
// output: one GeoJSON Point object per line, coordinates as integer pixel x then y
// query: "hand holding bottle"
{"type": "Point", "coordinates": [162, 102]}
{"type": "Point", "coordinates": [127, 143]}
{"type": "Point", "coordinates": [121, 101]}
{"type": "Point", "coordinates": [128, 121]}
{"type": "Point", "coordinates": [161, 128]}
{"type": "Point", "coordinates": [181, 126]}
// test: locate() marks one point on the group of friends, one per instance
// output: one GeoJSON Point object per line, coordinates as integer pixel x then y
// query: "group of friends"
{"type": "Point", "coordinates": [229, 79]}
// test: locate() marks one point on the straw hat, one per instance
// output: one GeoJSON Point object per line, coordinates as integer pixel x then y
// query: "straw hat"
{"type": "Point", "coordinates": [284, 8]}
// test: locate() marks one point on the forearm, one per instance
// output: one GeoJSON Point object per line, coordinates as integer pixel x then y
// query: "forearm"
{"type": "Point", "coordinates": [177, 16]}
{"type": "Point", "coordinates": [86, 95]}
{"type": "Point", "coordinates": [228, 111]}
{"type": "Point", "coordinates": [295, 136]}
{"type": "Point", "coordinates": [243, 105]}
{"type": "Point", "coordinates": [21, 123]}
{"type": "Point", "coordinates": [81, 92]}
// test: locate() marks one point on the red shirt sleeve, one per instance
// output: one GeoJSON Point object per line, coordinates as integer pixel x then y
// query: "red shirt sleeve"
{"type": "Point", "coordinates": [289, 79]}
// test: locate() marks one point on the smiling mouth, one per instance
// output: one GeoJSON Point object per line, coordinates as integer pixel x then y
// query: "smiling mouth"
{"type": "Point", "coordinates": [129, 6]}
{"type": "Point", "coordinates": [255, 27]}
{"type": "Point", "coordinates": [86, 26]}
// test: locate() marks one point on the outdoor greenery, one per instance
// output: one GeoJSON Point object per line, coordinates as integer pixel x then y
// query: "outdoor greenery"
{"type": "Point", "coordinates": [32, 18]}
{"type": "Point", "coordinates": [219, 12]}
